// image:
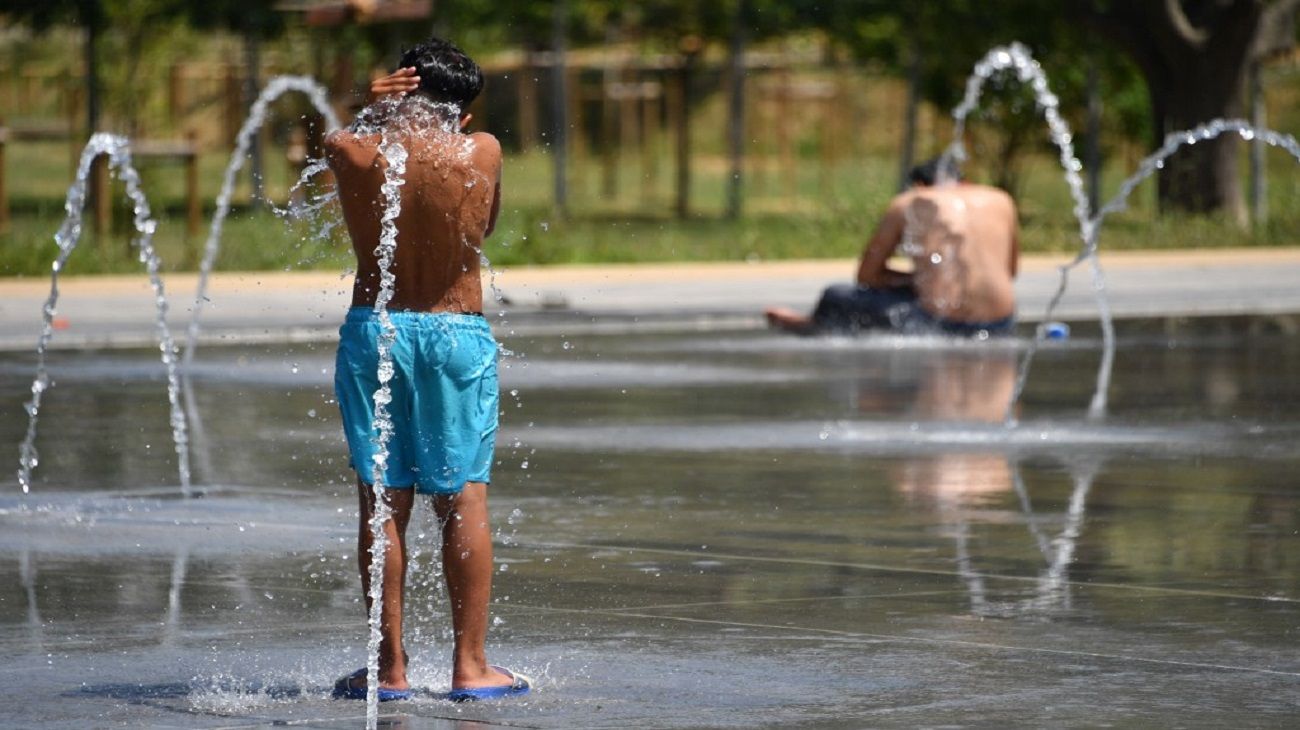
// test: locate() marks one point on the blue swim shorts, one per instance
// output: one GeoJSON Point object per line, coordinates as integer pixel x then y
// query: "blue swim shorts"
{"type": "Point", "coordinates": [445, 398]}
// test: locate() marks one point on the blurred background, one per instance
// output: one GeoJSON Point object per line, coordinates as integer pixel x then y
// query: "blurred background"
{"type": "Point", "coordinates": [658, 130]}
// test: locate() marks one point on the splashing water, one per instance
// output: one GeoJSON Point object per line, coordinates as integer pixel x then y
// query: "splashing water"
{"type": "Point", "coordinates": [394, 121]}
{"type": "Point", "coordinates": [395, 155]}
{"type": "Point", "coordinates": [311, 208]}
{"type": "Point", "coordinates": [1017, 58]}
{"type": "Point", "coordinates": [69, 234]}
{"type": "Point", "coordinates": [1148, 167]}
{"type": "Point", "coordinates": [274, 89]}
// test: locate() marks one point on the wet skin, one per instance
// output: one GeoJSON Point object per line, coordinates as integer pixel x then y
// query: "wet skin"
{"type": "Point", "coordinates": [963, 246]}
{"type": "Point", "coordinates": [450, 201]}
{"type": "Point", "coordinates": [964, 249]}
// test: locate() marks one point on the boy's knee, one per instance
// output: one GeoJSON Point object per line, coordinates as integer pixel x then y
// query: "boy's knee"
{"type": "Point", "coordinates": [472, 496]}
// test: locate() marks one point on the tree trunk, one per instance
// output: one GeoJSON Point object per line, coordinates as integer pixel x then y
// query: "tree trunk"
{"type": "Point", "coordinates": [1193, 56]}
{"type": "Point", "coordinates": [559, 107]}
{"type": "Point", "coordinates": [1201, 178]}
{"type": "Point", "coordinates": [252, 87]}
{"type": "Point", "coordinates": [684, 78]}
{"type": "Point", "coordinates": [92, 19]}
{"type": "Point", "coordinates": [907, 154]}
{"type": "Point", "coordinates": [1258, 168]}
{"type": "Point", "coordinates": [1092, 143]}
{"type": "Point", "coordinates": [736, 110]}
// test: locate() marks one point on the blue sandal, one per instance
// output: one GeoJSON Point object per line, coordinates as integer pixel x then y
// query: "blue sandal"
{"type": "Point", "coordinates": [519, 685]}
{"type": "Point", "coordinates": [344, 689]}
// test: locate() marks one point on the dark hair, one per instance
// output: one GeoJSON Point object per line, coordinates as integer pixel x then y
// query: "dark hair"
{"type": "Point", "coordinates": [447, 75]}
{"type": "Point", "coordinates": [933, 170]}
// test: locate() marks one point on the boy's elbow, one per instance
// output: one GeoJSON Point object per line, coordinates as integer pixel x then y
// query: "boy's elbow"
{"type": "Point", "coordinates": [335, 144]}
{"type": "Point", "coordinates": [869, 275]}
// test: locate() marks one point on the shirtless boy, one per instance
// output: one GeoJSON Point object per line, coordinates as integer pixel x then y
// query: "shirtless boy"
{"type": "Point", "coordinates": [963, 243]}
{"type": "Point", "coordinates": [444, 390]}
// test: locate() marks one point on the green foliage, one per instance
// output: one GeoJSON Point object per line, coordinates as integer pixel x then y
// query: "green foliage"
{"type": "Point", "coordinates": [949, 37]}
{"type": "Point", "coordinates": [41, 16]}
{"type": "Point", "coordinates": [259, 17]}
{"type": "Point", "coordinates": [145, 36]}
{"type": "Point", "coordinates": [816, 221]}
{"type": "Point", "coordinates": [142, 36]}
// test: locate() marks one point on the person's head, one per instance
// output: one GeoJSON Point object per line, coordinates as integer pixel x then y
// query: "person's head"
{"type": "Point", "coordinates": [936, 169]}
{"type": "Point", "coordinates": [447, 75]}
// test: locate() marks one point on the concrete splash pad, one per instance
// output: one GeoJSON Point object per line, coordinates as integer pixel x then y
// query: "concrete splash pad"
{"type": "Point", "coordinates": [680, 546]}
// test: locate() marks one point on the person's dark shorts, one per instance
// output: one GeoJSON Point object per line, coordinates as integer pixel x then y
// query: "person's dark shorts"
{"type": "Point", "coordinates": [850, 308]}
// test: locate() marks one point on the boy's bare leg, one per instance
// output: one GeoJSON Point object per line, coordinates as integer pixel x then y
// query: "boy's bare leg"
{"type": "Point", "coordinates": [392, 656]}
{"type": "Point", "coordinates": [788, 320]}
{"type": "Point", "coordinates": [467, 563]}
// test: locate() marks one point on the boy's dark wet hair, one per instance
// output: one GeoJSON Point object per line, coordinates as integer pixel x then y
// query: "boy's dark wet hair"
{"type": "Point", "coordinates": [932, 171]}
{"type": "Point", "coordinates": [447, 75]}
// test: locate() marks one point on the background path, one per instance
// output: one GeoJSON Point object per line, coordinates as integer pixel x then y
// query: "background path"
{"type": "Point", "coordinates": [116, 311]}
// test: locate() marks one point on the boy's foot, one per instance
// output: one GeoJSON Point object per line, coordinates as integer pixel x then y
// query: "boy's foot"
{"type": "Point", "coordinates": [353, 687]}
{"type": "Point", "coordinates": [788, 320]}
{"type": "Point", "coordinates": [515, 684]}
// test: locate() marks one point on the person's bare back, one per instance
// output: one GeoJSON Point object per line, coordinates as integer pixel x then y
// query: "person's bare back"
{"type": "Point", "coordinates": [962, 242]}
{"type": "Point", "coordinates": [450, 201]}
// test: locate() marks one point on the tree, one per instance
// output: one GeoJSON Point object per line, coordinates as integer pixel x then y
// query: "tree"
{"type": "Point", "coordinates": [90, 15]}
{"type": "Point", "coordinates": [935, 45]}
{"type": "Point", "coordinates": [1194, 55]}
{"type": "Point", "coordinates": [255, 21]}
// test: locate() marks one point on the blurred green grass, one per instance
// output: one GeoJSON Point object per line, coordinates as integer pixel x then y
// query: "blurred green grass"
{"type": "Point", "coordinates": [808, 212]}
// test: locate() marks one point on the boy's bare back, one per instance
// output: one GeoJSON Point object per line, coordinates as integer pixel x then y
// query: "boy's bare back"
{"type": "Point", "coordinates": [965, 249]}
{"type": "Point", "coordinates": [450, 201]}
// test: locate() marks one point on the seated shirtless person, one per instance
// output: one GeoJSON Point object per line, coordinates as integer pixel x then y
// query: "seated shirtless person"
{"type": "Point", "coordinates": [962, 240]}
{"type": "Point", "coordinates": [444, 384]}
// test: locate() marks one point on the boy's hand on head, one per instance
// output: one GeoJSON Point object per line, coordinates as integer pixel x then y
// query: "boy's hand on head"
{"type": "Point", "coordinates": [398, 83]}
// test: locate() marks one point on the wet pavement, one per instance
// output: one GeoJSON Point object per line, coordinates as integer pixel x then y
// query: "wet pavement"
{"type": "Point", "coordinates": [724, 529]}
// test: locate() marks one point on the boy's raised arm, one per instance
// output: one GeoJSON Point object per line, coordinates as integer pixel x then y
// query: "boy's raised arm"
{"type": "Point", "coordinates": [489, 151]}
{"type": "Point", "coordinates": [400, 83]}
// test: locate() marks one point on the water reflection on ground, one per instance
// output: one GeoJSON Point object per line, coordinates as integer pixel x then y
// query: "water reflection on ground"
{"type": "Point", "coordinates": [693, 529]}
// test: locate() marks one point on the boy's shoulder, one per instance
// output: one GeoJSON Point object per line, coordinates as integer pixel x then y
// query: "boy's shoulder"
{"type": "Point", "coordinates": [485, 153]}
{"type": "Point", "coordinates": [343, 145]}
{"type": "Point", "coordinates": [343, 148]}
{"type": "Point", "coordinates": [485, 145]}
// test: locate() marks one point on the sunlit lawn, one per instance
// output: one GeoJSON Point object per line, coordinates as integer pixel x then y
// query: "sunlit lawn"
{"type": "Point", "coordinates": [809, 211]}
